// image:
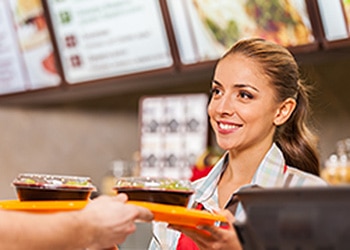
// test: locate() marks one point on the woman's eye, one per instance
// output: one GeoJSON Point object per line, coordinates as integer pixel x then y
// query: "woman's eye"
{"type": "Point", "coordinates": [245, 95]}
{"type": "Point", "coordinates": [215, 91]}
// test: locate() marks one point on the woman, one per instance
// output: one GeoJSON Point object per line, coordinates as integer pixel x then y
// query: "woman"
{"type": "Point", "coordinates": [258, 110]}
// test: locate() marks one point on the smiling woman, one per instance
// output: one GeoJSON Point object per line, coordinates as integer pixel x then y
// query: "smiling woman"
{"type": "Point", "coordinates": [235, 101]}
{"type": "Point", "coordinates": [258, 111]}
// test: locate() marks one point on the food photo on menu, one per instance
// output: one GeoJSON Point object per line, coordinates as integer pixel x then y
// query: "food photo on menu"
{"type": "Point", "coordinates": [285, 22]}
{"type": "Point", "coordinates": [35, 43]}
{"type": "Point", "coordinates": [346, 4]}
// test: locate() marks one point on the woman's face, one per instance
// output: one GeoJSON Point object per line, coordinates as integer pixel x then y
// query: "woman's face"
{"type": "Point", "coordinates": [243, 107]}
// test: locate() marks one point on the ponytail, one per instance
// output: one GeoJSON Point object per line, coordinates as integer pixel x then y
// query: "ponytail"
{"type": "Point", "coordinates": [296, 140]}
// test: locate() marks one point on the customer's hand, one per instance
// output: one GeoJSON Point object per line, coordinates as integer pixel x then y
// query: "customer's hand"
{"type": "Point", "coordinates": [213, 237]}
{"type": "Point", "coordinates": [109, 220]}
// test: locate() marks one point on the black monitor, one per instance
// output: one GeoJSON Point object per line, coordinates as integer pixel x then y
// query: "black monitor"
{"type": "Point", "coordinates": [310, 218]}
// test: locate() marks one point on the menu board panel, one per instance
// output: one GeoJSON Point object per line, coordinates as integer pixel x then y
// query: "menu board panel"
{"type": "Point", "coordinates": [12, 77]}
{"type": "Point", "coordinates": [204, 29]}
{"type": "Point", "coordinates": [26, 53]}
{"type": "Point", "coordinates": [333, 20]}
{"type": "Point", "coordinates": [346, 4]}
{"type": "Point", "coordinates": [108, 38]}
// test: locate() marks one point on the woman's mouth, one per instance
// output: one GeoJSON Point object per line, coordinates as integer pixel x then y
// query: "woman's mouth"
{"type": "Point", "coordinates": [227, 127]}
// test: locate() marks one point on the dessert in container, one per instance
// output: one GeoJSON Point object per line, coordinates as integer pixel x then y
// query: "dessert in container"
{"type": "Point", "coordinates": [44, 187]}
{"type": "Point", "coordinates": [155, 189]}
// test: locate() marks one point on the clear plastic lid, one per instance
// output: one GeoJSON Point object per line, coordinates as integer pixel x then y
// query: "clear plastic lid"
{"type": "Point", "coordinates": [58, 182]}
{"type": "Point", "coordinates": [153, 183]}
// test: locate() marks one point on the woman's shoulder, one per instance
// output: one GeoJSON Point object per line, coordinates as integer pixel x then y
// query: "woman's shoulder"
{"type": "Point", "coordinates": [301, 178]}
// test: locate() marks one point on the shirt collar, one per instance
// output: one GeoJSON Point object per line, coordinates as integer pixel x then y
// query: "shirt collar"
{"type": "Point", "coordinates": [205, 188]}
{"type": "Point", "coordinates": [270, 172]}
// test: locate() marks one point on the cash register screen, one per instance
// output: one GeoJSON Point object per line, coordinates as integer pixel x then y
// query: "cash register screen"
{"type": "Point", "coordinates": [295, 218]}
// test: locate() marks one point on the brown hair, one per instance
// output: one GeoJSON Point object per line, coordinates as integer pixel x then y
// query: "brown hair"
{"type": "Point", "coordinates": [297, 142]}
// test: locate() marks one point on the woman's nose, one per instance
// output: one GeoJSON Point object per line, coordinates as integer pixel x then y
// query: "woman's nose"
{"type": "Point", "coordinates": [224, 105]}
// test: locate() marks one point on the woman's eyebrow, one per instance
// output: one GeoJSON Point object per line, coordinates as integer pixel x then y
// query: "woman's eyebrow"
{"type": "Point", "coordinates": [243, 85]}
{"type": "Point", "coordinates": [216, 82]}
{"type": "Point", "coordinates": [238, 85]}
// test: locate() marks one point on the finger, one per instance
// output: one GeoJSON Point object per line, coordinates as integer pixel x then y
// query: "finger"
{"type": "Point", "coordinates": [229, 216]}
{"type": "Point", "coordinates": [213, 231]}
{"type": "Point", "coordinates": [140, 213]}
{"type": "Point", "coordinates": [144, 214]}
{"type": "Point", "coordinates": [192, 231]}
{"type": "Point", "coordinates": [121, 197]}
{"type": "Point", "coordinates": [111, 248]}
{"type": "Point", "coordinates": [200, 237]}
{"type": "Point", "coordinates": [181, 227]}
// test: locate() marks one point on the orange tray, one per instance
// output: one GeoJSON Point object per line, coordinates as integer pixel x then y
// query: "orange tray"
{"type": "Point", "coordinates": [42, 206]}
{"type": "Point", "coordinates": [180, 215]}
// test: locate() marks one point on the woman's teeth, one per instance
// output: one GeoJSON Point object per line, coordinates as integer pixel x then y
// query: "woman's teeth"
{"type": "Point", "coordinates": [227, 126]}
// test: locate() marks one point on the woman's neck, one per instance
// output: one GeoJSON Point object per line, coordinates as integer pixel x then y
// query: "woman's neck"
{"type": "Point", "coordinates": [243, 163]}
{"type": "Point", "coordinates": [240, 171]}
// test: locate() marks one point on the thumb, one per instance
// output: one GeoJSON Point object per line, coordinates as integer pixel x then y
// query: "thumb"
{"type": "Point", "coordinates": [121, 197]}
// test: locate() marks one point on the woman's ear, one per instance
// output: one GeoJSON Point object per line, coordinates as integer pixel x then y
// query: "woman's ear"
{"type": "Point", "coordinates": [284, 111]}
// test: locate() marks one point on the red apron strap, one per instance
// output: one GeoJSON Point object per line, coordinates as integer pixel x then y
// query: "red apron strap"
{"type": "Point", "coordinates": [289, 177]}
{"type": "Point", "coordinates": [185, 243]}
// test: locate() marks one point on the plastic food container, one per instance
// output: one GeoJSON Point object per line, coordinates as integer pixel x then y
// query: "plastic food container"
{"type": "Point", "coordinates": [38, 187]}
{"type": "Point", "coordinates": [157, 190]}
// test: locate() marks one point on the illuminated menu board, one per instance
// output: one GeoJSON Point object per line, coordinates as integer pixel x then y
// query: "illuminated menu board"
{"type": "Point", "coordinates": [12, 78]}
{"type": "Point", "coordinates": [26, 53]}
{"type": "Point", "coordinates": [205, 29]}
{"type": "Point", "coordinates": [333, 19]}
{"type": "Point", "coordinates": [99, 39]}
{"type": "Point", "coordinates": [346, 4]}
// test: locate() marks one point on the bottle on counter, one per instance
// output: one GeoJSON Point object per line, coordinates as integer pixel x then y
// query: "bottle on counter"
{"type": "Point", "coordinates": [336, 169]}
{"type": "Point", "coordinates": [117, 169]}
